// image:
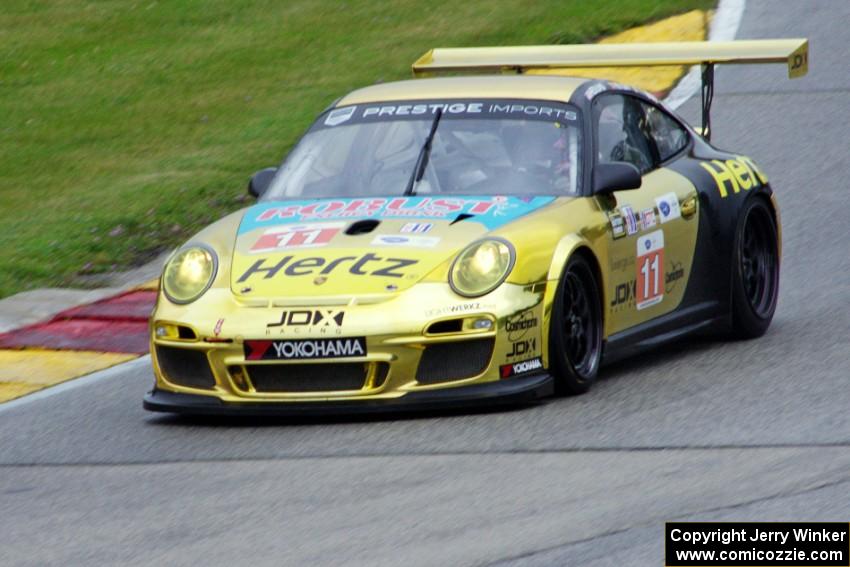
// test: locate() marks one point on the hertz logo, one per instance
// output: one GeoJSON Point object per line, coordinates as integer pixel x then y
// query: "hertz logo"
{"type": "Point", "coordinates": [377, 266]}
{"type": "Point", "coordinates": [735, 174]}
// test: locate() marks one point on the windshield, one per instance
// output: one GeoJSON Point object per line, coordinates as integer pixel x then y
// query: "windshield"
{"type": "Point", "coordinates": [491, 147]}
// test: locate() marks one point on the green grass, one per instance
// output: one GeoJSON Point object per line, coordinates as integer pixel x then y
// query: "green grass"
{"type": "Point", "coordinates": [125, 126]}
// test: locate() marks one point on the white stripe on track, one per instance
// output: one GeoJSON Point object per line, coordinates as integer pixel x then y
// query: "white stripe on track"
{"type": "Point", "coordinates": [141, 362]}
{"type": "Point", "coordinates": [724, 27]}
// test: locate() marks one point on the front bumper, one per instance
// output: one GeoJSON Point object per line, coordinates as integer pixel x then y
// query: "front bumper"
{"type": "Point", "coordinates": [421, 347]}
{"type": "Point", "coordinates": [521, 390]}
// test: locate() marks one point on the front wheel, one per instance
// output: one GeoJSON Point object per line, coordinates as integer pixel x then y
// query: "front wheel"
{"type": "Point", "coordinates": [575, 331]}
{"type": "Point", "coordinates": [755, 271]}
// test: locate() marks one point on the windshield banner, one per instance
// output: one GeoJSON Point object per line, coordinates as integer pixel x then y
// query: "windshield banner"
{"type": "Point", "coordinates": [423, 110]}
{"type": "Point", "coordinates": [491, 211]}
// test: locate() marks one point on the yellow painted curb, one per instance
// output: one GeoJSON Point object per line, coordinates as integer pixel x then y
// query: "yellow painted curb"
{"type": "Point", "coordinates": [690, 26]}
{"type": "Point", "coordinates": [152, 285]}
{"type": "Point", "coordinates": [26, 371]}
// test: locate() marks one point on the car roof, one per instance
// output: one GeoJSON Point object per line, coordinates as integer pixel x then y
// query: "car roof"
{"type": "Point", "coordinates": [531, 87]}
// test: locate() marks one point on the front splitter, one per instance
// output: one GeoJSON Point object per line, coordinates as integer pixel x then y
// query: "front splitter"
{"type": "Point", "coordinates": [514, 391]}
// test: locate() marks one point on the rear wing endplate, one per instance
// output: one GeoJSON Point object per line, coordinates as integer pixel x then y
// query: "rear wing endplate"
{"type": "Point", "coordinates": [792, 52]}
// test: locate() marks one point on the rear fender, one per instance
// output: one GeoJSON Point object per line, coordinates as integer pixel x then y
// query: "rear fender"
{"type": "Point", "coordinates": [725, 182]}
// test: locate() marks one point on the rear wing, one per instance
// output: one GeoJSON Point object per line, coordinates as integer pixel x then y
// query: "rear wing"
{"type": "Point", "coordinates": [792, 52]}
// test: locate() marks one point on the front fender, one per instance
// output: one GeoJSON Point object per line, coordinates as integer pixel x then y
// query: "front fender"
{"type": "Point", "coordinates": [564, 250]}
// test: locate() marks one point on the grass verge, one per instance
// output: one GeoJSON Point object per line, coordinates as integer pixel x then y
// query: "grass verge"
{"type": "Point", "coordinates": [126, 126]}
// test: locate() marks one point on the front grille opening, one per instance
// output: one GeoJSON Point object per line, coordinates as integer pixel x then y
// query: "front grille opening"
{"type": "Point", "coordinates": [308, 377]}
{"type": "Point", "coordinates": [381, 370]}
{"type": "Point", "coordinates": [185, 367]}
{"type": "Point", "coordinates": [447, 362]}
{"type": "Point", "coordinates": [237, 374]}
{"type": "Point", "coordinates": [447, 326]}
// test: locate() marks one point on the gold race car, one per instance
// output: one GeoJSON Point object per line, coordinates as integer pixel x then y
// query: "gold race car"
{"type": "Point", "coordinates": [473, 239]}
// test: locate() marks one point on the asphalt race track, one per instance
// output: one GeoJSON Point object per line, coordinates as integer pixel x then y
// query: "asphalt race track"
{"type": "Point", "coordinates": [705, 431]}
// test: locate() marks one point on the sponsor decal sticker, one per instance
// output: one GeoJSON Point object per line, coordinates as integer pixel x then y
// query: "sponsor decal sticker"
{"type": "Point", "coordinates": [594, 90]}
{"type": "Point", "coordinates": [621, 264]}
{"type": "Point", "coordinates": [368, 264]}
{"type": "Point", "coordinates": [296, 236]}
{"type": "Point", "coordinates": [674, 275]}
{"type": "Point", "coordinates": [517, 368]}
{"type": "Point", "coordinates": [629, 216]}
{"type": "Point", "coordinates": [648, 218]}
{"type": "Point", "coordinates": [618, 229]}
{"type": "Point", "coordinates": [668, 207]}
{"type": "Point", "coordinates": [404, 240]}
{"type": "Point", "coordinates": [491, 211]}
{"type": "Point", "coordinates": [650, 268]}
{"type": "Point", "coordinates": [296, 320]}
{"type": "Point", "coordinates": [426, 109]}
{"type": "Point", "coordinates": [734, 175]}
{"type": "Point", "coordinates": [340, 115]}
{"type": "Point", "coordinates": [523, 348]}
{"type": "Point", "coordinates": [418, 227]}
{"type": "Point", "coordinates": [624, 295]}
{"type": "Point", "coordinates": [459, 308]}
{"type": "Point", "coordinates": [506, 109]}
{"type": "Point", "coordinates": [518, 326]}
{"type": "Point", "coordinates": [305, 349]}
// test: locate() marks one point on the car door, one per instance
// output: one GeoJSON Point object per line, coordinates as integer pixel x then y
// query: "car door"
{"type": "Point", "coordinates": [652, 230]}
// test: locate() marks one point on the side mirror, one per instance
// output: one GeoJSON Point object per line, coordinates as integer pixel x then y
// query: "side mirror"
{"type": "Point", "coordinates": [615, 176]}
{"type": "Point", "coordinates": [260, 181]}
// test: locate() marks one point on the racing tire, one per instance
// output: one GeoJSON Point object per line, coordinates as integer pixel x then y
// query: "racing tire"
{"type": "Point", "coordinates": [755, 271]}
{"type": "Point", "coordinates": [575, 330]}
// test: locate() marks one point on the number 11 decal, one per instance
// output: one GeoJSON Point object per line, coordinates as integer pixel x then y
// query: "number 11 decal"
{"type": "Point", "coordinates": [650, 269]}
{"type": "Point", "coordinates": [296, 236]}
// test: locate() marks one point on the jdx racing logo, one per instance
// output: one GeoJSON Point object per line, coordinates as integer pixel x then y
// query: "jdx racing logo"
{"type": "Point", "coordinates": [520, 348]}
{"type": "Point", "coordinates": [624, 293]}
{"type": "Point", "coordinates": [378, 266]}
{"type": "Point", "coordinates": [295, 320]}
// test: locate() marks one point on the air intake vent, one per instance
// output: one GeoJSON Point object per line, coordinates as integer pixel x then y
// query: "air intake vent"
{"type": "Point", "coordinates": [447, 362]}
{"type": "Point", "coordinates": [448, 326]}
{"type": "Point", "coordinates": [461, 217]}
{"type": "Point", "coordinates": [362, 227]}
{"type": "Point", "coordinates": [185, 333]}
{"type": "Point", "coordinates": [185, 367]}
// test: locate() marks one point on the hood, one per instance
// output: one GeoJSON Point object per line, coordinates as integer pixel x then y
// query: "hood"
{"type": "Point", "coordinates": [360, 246]}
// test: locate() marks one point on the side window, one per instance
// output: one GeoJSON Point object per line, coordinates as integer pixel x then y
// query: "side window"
{"type": "Point", "coordinates": [623, 132]}
{"type": "Point", "coordinates": [669, 136]}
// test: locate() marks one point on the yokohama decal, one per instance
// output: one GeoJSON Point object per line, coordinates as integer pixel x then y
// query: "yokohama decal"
{"type": "Point", "coordinates": [305, 349]}
{"type": "Point", "coordinates": [510, 370]}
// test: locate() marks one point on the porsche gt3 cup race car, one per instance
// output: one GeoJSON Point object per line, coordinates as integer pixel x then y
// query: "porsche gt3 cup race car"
{"type": "Point", "coordinates": [473, 239]}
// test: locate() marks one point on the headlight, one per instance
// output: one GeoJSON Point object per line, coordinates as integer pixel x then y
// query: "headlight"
{"type": "Point", "coordinates": [189, 273]}
{"type": "Point", "coordinates": [481, 267]}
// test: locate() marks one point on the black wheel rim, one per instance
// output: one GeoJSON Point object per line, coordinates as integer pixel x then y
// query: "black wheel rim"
{"type": "Point", "coordinates": [759, 262]}
{"type": "Point", "coordinates": [581, 322]}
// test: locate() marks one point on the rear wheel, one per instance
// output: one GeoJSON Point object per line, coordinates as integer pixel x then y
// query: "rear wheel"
{"type": "Point", "coordinates": [755, 274]}
{"type": "Point", "coordinates": [575, 332]}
